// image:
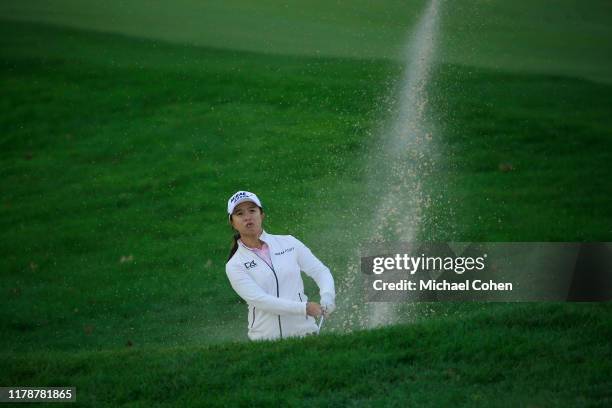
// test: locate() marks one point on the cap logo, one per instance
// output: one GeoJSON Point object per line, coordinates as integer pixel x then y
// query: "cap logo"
{"type": "Point", "coordinates": [238, 196]}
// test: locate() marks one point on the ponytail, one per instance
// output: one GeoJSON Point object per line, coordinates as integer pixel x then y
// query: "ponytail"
{"type": "Point", "coordinates": [235, 237]}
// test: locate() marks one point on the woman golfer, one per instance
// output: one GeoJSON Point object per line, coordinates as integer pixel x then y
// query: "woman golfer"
{"type": "Point", "coordinates": [264, 270]}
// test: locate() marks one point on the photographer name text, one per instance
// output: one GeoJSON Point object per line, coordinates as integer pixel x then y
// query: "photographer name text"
{"type": "Point", "coordinates": [443, 285]}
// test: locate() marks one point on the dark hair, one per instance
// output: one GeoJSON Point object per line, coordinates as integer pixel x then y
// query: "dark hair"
{"type": "Point", "coordinates": [234, 245]}
{"type": "Point", "coordinates": [236, 236]}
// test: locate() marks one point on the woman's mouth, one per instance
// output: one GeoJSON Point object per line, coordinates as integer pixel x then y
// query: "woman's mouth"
{"type": "Point", "coordinates": [249, 224]}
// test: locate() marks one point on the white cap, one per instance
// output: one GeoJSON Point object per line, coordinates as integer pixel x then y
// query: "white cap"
{"type": "Point", "coordinates": [241, 197]}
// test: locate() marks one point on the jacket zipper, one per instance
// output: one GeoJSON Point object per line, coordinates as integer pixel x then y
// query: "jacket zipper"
{"type": "Point", "coordinates": [271, 266]}
{"type": "Point", "coordinates": [301, 301]}
{"type": "Point", "coordinates": [253, 321]}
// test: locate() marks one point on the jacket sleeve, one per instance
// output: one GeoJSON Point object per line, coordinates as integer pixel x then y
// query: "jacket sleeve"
{"type": "Point", "coordinates": [314, 268]}
{"type": "Point", "coordinates": [252, 293]}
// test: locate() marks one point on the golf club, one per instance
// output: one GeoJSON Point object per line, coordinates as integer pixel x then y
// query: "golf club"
{"type": "Point", "coordinates": [321, 319]}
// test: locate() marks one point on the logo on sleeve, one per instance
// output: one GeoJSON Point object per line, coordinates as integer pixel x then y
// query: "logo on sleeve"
{"type": "Point", "coordinates": [251, 264]}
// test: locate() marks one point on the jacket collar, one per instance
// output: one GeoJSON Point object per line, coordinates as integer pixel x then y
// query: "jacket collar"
{"type": "Point", "coordinates": [264, 236]}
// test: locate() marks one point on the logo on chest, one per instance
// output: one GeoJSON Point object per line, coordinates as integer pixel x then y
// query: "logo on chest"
{"type": "Point", "coordinates": [250, 265]}
{"type": "Point", "coordinates": [283, 251]}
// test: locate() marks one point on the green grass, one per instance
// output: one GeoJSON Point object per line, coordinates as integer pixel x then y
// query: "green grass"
{"type": "Point", "coordinates": [533, 355]}
{"type": "Point", "coordinates": [535, 36]}
{"type": "Point", "coordinates": [525, 158]}
{"type": "Point", "coordinates": [103, 158]}
{"type": "Point", "coordinates": [115, 146]}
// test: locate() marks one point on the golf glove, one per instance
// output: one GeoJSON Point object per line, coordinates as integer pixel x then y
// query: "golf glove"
{"type": "Point", "coordinates": [327, 303]}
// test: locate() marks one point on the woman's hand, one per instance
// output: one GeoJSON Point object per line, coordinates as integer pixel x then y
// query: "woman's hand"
{"type": "Point", "coordinates": [313, 309]}
{"type": "Point", "coordinates": [327, 304]}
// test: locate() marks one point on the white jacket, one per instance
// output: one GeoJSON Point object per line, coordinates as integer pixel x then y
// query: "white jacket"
{"type": "Point", "coordinates": [275, 295]}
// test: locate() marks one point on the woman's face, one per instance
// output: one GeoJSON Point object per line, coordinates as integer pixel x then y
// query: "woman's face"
{"type": "Point", "coordinates": [247, 218]}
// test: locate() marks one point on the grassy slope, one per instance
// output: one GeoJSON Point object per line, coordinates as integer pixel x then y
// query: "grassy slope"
{"type": "Point", "coordinates": [129, 147]}
{"type": "Point", "coordinates": [114, 151]}
{"type": "Point", "coordinates": [114, 146]}
{"type": "Point", "coordinates": [553, 132]}
{"type": "Point", "coordinates": [535, 355]}
{"type": "Point", "coordinates": [537, 36]}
